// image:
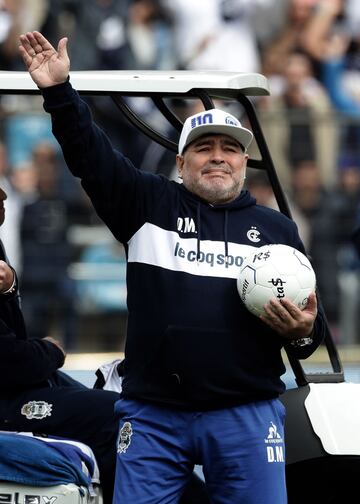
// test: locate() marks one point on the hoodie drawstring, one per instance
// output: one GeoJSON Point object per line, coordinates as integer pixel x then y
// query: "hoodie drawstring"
{"type": "Point", "coordinates": [226, 218]}
{"type": "Point", "coordinates": [198, 227]}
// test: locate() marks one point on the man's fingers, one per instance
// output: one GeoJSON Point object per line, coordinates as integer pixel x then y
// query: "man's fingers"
{"type": "Point", "coordinates": [39, 39]}
{"type": "Point", "coordinates": [25, 56]}
{"type": "Point", "coordinates": [312, 302]}
{"type": "Point", "coordinates": [62, 48]}
{"type": "Point", "coordinates": [35, 43]}
{"type": "Point", "coordinates": [291, 309]}
{"type": "Point", "coordinates": [25, 44]}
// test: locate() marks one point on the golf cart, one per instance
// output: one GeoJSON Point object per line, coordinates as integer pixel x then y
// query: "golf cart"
{"type": "Point", "coordinates": [323, 410]}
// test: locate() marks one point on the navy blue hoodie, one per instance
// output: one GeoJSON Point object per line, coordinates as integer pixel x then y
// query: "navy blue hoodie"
{"type": "Point", "coordinates": [24, 363]}
{"type": "Point", "coordinates": [191, 343]}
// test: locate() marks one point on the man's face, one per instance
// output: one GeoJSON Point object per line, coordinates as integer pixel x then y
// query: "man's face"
{"type": "Point", "coordinates": [213, 167]}
{"type": "Point", "coordinates": [3, 197]}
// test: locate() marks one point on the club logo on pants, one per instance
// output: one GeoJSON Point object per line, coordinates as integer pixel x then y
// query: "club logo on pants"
{"type": "Point", "coordinates": [36, 410]}
{"type": "Point", "coordinates": [125, 437]}
{"type": "Point", "coordinates": [274, 445]}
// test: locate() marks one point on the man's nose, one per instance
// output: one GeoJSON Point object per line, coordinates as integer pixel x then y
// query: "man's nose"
{"type": "Point", "coordinates": [3, 195]}
{"type": "Point", "coordinates": [217, 155]}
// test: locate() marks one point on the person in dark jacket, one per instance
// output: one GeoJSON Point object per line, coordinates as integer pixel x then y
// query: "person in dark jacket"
{"type": "Point", "coordinates": [36, 397]}
{"type": "Point", "coordinates": [202, 375]}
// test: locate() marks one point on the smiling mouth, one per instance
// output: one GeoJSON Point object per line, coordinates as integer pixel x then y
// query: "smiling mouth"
{"type": "Point", "coordinates": [216, 171]}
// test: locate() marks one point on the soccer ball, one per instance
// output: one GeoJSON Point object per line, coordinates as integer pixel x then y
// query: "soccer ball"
{"type": "Point", "coordinates": [275, 271]}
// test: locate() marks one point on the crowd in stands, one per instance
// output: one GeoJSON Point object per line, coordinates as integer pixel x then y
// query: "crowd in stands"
{"type": "Point", "coordinates": [310, 52]}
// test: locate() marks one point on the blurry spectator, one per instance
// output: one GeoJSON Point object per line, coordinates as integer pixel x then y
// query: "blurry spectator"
{"type": "Point", "coordinates": [347, 199]}
{"type": "Point", "coordinates": [9, 33]}
{"type": "Point", "coordinates": [315, 203]}
{"type": "Point", "coordinates": [23, 116]}
{"type": "Point", "coordinates": [298, 122]}
{"type": "Point", "coordinates": [149, 36]}
{"type": "Point", "coordinates": [257, 182]}
{"type": "Point", "coordinates": [44, 154]}
{"type": "Point", "coordinates": [289, 38]}
{"type": "Point", "coordinates": [9, 231]}
{"type": "Point", "coordinates": [100, 286]}
{"type": "Point", "coordinates": [24, 180]}
{"type": "Point", "coordinates": [217, 34]}
{"type": "Point", "coordinates": [97, 30]}
{"type": "Point", "coordinates": [123, 134]}
{"type": "Point", "coordinates": [334, 40]}
{"type": "Point", "coordinates": [269, 20]}
{"type": "Point", "coordinates": [17, 16]}
{"type": "Point", "coordinates": [48, 294]}
{"type": "Point", "coordinates": [331, 216]}
{"type": "Point", "coordinates": [120, 35]}
{"type": "Point", "coordinates": [352, 16]}
{"type": "Point", "coordinates": [326, 22]}
{"type": "Point", "coordinates": [117, 34]}
{"type": "Point", "coordinates": [23, 129]}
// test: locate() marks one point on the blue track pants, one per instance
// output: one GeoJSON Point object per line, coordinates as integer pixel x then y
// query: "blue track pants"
{"type": "Point", "coordinates": [241, 450]}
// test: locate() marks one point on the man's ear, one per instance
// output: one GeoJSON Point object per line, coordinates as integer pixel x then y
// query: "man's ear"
{"type": "Point", "coordinates": [245, 165]}
{"type": "Point", "coordinates": [179, 164]}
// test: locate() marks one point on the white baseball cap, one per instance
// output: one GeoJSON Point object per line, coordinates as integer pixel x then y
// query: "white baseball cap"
{"type": "Point", "coordinates": [213, 121]}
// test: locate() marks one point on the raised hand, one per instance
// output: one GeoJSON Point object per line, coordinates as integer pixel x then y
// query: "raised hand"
{"type": "Point", "coordinates": [46, 65]}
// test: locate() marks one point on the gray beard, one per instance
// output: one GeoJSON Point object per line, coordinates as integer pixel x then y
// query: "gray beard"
{"type": "Point", "coordinates": [215, 195]}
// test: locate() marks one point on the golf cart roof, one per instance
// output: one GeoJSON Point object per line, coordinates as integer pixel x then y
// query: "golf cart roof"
{"type": "Point", "coordinates": [142, 83]}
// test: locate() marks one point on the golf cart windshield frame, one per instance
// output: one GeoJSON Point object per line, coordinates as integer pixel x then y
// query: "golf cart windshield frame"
{"type": "Point", "coordinates": [205, 86]}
